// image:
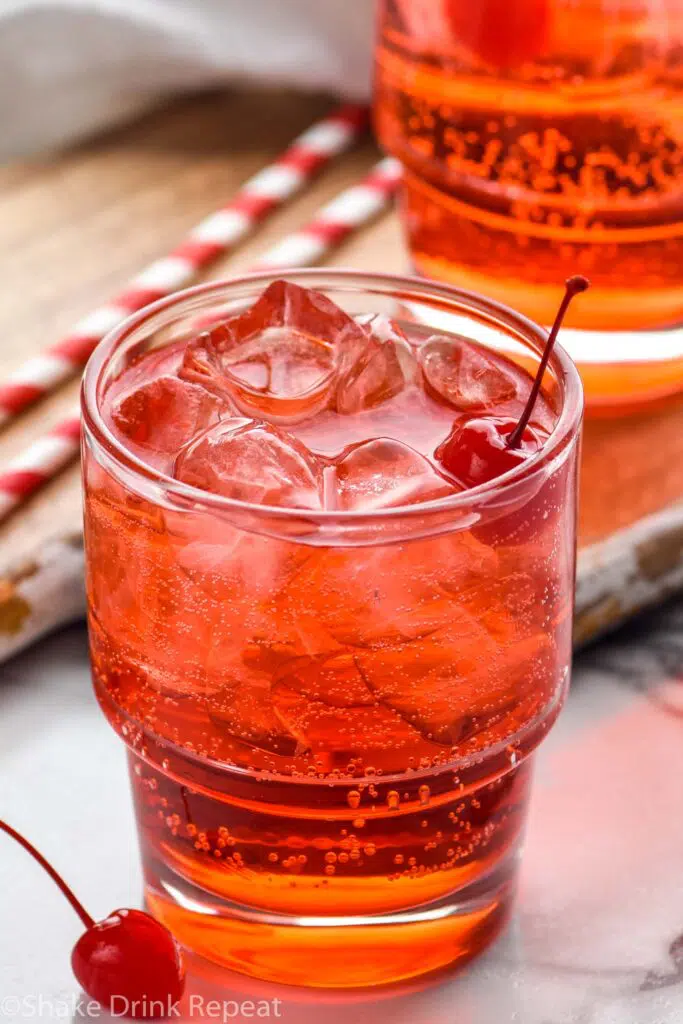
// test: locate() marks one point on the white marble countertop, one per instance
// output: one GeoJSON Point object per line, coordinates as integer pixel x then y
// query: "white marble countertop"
{"type": "Point", "coordinates": [597, 937]}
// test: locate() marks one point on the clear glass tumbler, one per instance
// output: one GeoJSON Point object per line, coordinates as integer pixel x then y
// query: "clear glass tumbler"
{"type": "Point", "coordinates": [331, 716]}
{"type": "Point", "coordinates": [540, 139]}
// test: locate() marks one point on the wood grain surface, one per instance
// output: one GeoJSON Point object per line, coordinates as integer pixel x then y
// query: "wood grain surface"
{"type": "Point", "coordinates": [75, 226]}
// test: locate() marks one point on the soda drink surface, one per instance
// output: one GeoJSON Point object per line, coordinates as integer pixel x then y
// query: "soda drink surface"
{"type": "Point", "coordinates": [330, 656]}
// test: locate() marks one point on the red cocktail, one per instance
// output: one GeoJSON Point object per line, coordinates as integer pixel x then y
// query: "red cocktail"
{"type": "Point", "coordinates": [329, 654]}
{"type": "Point", "coordinates": [542, 137]}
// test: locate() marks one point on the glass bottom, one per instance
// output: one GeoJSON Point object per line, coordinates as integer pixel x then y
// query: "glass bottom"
{"type": "Point", "coordinates": [335, 952]}
{"type": "Point", "coordinates": [388, 877]}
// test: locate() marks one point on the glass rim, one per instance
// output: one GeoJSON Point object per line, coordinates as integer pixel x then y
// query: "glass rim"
{"type": "Point", "coordinates": [419, 289]}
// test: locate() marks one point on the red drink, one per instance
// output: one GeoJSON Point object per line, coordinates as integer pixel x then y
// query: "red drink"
{"type": "Point", "coordinates": [542, 137]}
{"type": "Point", "coordinates": [329, 659]}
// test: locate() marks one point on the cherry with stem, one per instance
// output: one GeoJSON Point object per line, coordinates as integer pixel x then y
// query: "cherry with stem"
{"type": "Point", "coordinates": [85, 917]}
{"type": "Point", "coordinates": [485, 447]}
{"type": "Point", "coordinates": [573, 286]}
{"type": "Point", "coordinates": [128, 962]}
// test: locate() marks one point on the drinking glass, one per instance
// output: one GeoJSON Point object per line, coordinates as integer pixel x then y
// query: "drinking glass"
{"type": "Point", "coordinates": [330, 716]}
{"type": "Point", "coordinates": [544, 138]}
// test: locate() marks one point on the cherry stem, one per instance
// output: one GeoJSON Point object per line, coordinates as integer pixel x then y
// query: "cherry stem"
{"type": "Point", "coordinates": [85, 917]}
{"type": "Point", "coordinates": [573, 286]}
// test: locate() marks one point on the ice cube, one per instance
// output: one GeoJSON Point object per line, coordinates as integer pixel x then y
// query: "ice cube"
{"type": "Point", "coordinates": [282, 643]}
{"type": "Point", "coordinates": [246, 713]}
{"type": "Point", "coordinates": [278, 359]}
{"type": "Point", "coordinates": [326, 703]}
{"type": "Point", "coordinates": [375, 368]}
{"type": "Point", "coordinates": [470, 378]}
{"type": "Point", "coordinates": [389, 594]}
{"type": "Point", "coordinates": [512, 605]}
{"type": "Point", "coordinates": [229, 564]}
{"type": "Point", "coordinates": [164, 414]}
{"type": "Point", "coordinates": [335, 734]}
{"type": "Point", "coordinates": [254, 462]}
{"type": "Point", "coordinates": [281, 375]}
{"type": "Point", "coordinates": [434, 681]}
{"type": "Point", "coordinates": [200, 365]}
{"type": "Point", "coordinates": [459, 686]}
{"type": "Point", "coordinates": [383, 473]}
{"type": "Point", "coordinates": [330, 679]}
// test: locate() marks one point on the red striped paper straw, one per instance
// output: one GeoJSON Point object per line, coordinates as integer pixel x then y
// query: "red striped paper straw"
{"type": "Point", "coordinates": [337, 220]}
{"type": "Point", "coordinates": [217, 234]}
{"type": "Point", "coordinates": [41, 461]}
{"type": "Point", "coordinates": [334, 222]}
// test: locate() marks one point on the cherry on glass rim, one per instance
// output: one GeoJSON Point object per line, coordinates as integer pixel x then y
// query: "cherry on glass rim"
{"type": "Point", "coordinates": [483, 448]}
{"type": "Point", "coordinates": [129, 962]}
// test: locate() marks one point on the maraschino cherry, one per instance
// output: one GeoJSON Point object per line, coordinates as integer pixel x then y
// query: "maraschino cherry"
{"type": "Point", "coordinates": [484, 448]}
{"type": "Point", "coordinates": [129, 963]}
{"type": "Point", "coordinates": [502, 33]}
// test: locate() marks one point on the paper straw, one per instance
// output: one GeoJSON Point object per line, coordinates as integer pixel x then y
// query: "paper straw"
{"type": "Point", "coordinates": [350, 210]}
{"type": "Point", "coordinates": [44, 459]}
{"type": "Point", "coordinates": [214, 236]}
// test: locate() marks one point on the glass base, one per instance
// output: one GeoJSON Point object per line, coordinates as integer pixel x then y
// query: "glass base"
{"type": "Point", "coordinates": [335, 952]}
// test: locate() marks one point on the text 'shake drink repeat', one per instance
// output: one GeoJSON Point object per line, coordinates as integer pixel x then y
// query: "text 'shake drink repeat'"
{"type": "Point", "coordinates": [330, 580]}
{"type": "Point", "coordinates": [540, 138]}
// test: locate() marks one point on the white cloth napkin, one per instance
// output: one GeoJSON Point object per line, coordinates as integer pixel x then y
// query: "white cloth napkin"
{"type": "Point", "coordinates": [68, 67]}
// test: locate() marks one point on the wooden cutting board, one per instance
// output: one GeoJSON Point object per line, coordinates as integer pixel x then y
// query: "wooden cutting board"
{"type": "Point", "coordinates": [75, 226]}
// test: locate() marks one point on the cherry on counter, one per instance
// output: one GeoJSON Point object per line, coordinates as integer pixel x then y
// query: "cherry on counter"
{"type": "Point", "coordinates": [129, 962]}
